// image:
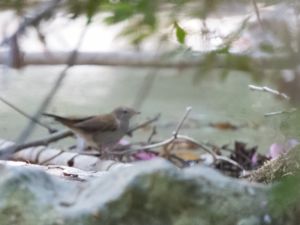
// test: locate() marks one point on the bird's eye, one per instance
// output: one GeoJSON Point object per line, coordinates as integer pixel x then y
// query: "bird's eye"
{"type": "Point", "coordinates": [125, 111]}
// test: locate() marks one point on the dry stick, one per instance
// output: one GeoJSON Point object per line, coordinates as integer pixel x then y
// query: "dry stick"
{"type": "Point", "coordinates": [187, 112]}
{"type": "Point", "coordinates": [44, 141]}
{"type": "Point", "coordinates": [50, 130]}
{"type": "Point", "coordinates": [280, 112]}
{"type": "Point", "coordinates": [274, 92]}
{"type": "Point", "coordinates": [269, 90]}
{"type": "Point", "coordinates": [51, 158]}
{"type": "Point", "coordinates": [179, 125]}
{"type": "Point", "coordinates": [31, 125]}
{"type": "Point", "coordinates": [153, 132]}
{"type": "Point", "coordinates": [72, 159]}
{"type": "Point", "coordinates": [216, 157]}
{"type": "Point", "coordinates": [154, 119]}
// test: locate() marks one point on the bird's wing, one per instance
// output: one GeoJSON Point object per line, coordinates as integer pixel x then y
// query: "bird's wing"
{"type": "Point", "coordinates": [98, 123]}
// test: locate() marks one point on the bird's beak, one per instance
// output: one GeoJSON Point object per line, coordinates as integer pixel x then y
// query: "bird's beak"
{"type": "Point", "coordinates": [136, 112]}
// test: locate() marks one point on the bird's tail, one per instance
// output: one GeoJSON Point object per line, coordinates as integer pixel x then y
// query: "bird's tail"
{"type": "Point", "coordinates": [63, 120]}
{"type": "Point", "coordinates": [52, 116]}
{"type": "Point", "coordinates": [69, 122]}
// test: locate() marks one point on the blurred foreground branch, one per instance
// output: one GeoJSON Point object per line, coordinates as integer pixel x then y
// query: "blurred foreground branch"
{"type": "Point", "coordinates": [41, 11]}
{"type": "Point", "coordinates": [135, 59]}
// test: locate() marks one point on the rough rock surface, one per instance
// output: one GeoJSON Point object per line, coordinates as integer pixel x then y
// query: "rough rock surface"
{"type": "Point", "coordinates": [153, 192]}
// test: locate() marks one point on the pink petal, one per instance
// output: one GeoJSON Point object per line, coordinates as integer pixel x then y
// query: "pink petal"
{"type": "Point", "coordinates": [145, 155]}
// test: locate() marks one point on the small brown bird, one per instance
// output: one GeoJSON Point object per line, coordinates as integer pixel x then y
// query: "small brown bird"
{"type": "Point", "coordinates": [102, 131]}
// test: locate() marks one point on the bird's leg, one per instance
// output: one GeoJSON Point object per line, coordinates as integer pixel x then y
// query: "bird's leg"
{"type": "Point", "coordinates": [80, 144]}
{"type": "Point", "coordinates": [105, 152]}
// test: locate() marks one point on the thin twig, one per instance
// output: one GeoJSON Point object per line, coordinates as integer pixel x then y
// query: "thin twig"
{"type": "Point", "coordinates": [145, 147]}
{"type": "Point", "coordinates": [280, 112]}
{"type": "Point", "coordinates": [51, 158]}
{"type": "Point", "coordinates": [41, 142]}
{"type": "Point", "coordinates": [199, 145]}
{"type": "Point", "coordinates": [146, 123]}
{"type": "Point", "coordinates": [20, 111]}
{"type": "Point", "coordinates": [269, 90]}
{"type": "Point", "coordinates": [153, 132]}
{"type": "Point", "coordinates": [226, 159]}
{"type": "Point", "coordinates": [187, 111]}
{"type": "Point", "coordinates": [97, 154]}
{"type": "Point", "coordinates": [156, 145]}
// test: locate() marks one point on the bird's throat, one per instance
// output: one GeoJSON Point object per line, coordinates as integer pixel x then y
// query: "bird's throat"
{"type": "Point", "coordinates": [123, 125]}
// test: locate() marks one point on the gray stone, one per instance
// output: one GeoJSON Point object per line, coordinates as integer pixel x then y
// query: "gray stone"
{"type": "Point", "coordinates": [153, 192]}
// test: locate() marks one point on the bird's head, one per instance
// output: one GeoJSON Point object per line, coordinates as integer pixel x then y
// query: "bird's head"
{"type": "Point", "coordinates": [124, 113]}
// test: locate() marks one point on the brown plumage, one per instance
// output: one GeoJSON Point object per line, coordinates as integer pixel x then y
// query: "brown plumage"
{"type": "Point", "coordinates": [102, 131]}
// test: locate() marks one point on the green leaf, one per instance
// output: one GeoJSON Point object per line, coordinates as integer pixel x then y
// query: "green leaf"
{"type": "Point", "coordinates": [91, 8]}
{"type": "Point", "coordinates": [119, 12]}
{"type": "Point", "coordinates": [180, 33]}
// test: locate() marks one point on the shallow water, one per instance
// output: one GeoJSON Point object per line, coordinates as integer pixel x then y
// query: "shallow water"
{"type": "Point", "coordinates": [93, 90]}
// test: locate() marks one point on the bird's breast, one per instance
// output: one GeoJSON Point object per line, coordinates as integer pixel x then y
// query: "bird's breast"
{"type": "Point", "coordinates": [108, 138]}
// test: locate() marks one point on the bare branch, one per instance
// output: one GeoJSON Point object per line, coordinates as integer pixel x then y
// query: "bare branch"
{"type": "Point", "coordinates": [149, 60]}
{"type": "Point", "coordinates": [280, 112]}
{"type": "Point", "coordinates": [41, 142]}
{"type": "Point", "coordinates": [153, 132]}
{"type": "Point", "coordinates": [146, 123]}
{"type": "Point", "coordinates": [226, 159]}
{"type": "Point", "coordinates": [156, 145]}
{"type": "Point", "coordinates": [175, 132]}
{"type": "Point", "coordinates": [50, 130]}
{"type": "Point", "coordinates": [202, 146]}
{"type": "Point", "coordinates": [269, 90]}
